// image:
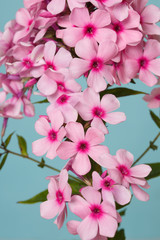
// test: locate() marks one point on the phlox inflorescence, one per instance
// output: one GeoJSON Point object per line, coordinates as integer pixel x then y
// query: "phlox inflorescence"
{"type": "Point", "coordinates": [50, 45]}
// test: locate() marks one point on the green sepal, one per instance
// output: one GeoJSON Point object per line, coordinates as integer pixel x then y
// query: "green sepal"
{"type": "Point", "coordinates": [155, 118]}
{"type": "Point", "coordinates": [22, 145]}
{"type": "Point", "coordinates": [8, 139]}
{"type": "Point", "coordinates": [3, 161]}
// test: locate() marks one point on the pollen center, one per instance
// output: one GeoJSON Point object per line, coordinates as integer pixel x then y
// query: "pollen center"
{"type": "Point", "coordinates": [83, 146]}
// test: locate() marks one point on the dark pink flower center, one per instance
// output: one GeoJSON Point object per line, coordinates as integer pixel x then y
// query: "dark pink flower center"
{"type": "Point", "coordinates": [96, 64]}
{"type": "Point", "coordinates": [63, 99]}
{"type": "Point", "coordinates": [157, 97]}
{"type": "Point", "coordinates": [101, 1]}
{"type": "Point", "coordinates": [89, 30]}
{"type": "Point", "coordinates": [96, 211]}
{"type": "Point", "coordinates": [83, 146]}
{"type": "Point", "coordinates": [27, 63]}
{"type": "Point", "coordinates": [124, 170]}
{"type": "Point", "coordinates": [61, 86]}
{"type": "Point", "coordinates": [118, 27]}
{"type": "Point", "coordinates": [98, 112]}
{"type": "Point", "coordinates": [52, 135]}
{"type": "Point", "coordinates": [29, 24]}
{"type": "Point", "coordinates": [143, 62]}
{"type": "Point", "coordinates": [59, 197]}
{"type": "Point", "coordinates": [50, 65]}
{"type": "Point", "coordinates": [108, 183]}
{"type": "Point", "coordinates": [116, 65]}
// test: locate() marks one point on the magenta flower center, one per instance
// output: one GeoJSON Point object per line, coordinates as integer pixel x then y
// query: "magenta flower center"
{"type": "Point", "coordinates": [101, 1]}
{"type": "Point", "coordinates": [83, 146]}
{"type": "Point", "coordinates": [27, 63]}
{"type": "Point", "coordinates": [108, 183]}
{"type": "Point", "coordinates": [59, 197]}
{"type": "Point", "coordinates": [96, 64]}
{"type": "Point", "coordinates": [63, 99]}
{"type": "Point", "coordinates": [89, 30]}
{"type": "Point", "coordinates": [96, 211]}
{"type": "Point", "coordinates": [98, 112]}
{"type": "Point", "coordinates": [124, 170]}
{"type": "Point", "coordinates": [118, 27]}
{"type": "Point", "coordinates": [143, 62]}
{"type": "Point", "coordinates": [52, 135]}
{"type": "Point", "coordinates": [50, 65]}
{"type": "Point", "coordinates": [61, 87]}
{"type": "Point", "coordinates": [157, 97]}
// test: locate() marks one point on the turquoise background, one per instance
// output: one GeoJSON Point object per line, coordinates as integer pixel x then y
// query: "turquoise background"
{"type": "Point", "coordinates": [21, 179]}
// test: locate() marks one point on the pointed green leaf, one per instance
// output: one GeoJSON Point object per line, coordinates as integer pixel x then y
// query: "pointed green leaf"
{"type": "Point", "coordinates": [120, 235]}
{"type": "Point", "coordinates": [3, 161]}
{"type": "Point", "coordinates": [40, 197]}
{"type": "Point", "coordinates": [155, 118]}
{"type": "Point", "coordinates": [121, 92]}
{"type": "Point", "coordinates": [22, 145]}
{"type": "Point", "coordinates": [155, 170]}
{"type": "Point", "coordinates": [42, 163]}
{"type": "Point", "coordinates": [8, 139]}
{"type": "Point", "coordinates": [43, 101]}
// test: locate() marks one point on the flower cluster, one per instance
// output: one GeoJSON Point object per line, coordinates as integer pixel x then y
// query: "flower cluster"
{"type": "Point", "coordinates": [50, 45]}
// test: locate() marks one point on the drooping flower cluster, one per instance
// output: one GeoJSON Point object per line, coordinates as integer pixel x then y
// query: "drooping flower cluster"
{"type": "Point", "coordinates": [50, 45]}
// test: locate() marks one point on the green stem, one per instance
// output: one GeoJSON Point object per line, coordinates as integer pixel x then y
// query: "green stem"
{"type": "Point", "coordinates": [34, 160]}
{"type": "Point", "coordinates": [147, 149]}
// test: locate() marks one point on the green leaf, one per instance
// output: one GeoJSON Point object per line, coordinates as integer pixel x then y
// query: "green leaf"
{"type": "Point", "coordinates": [43, 101]}
{"type": "Point", "coordinates": [3, 161]}
{"type": "Point", "coordinates": [76, 186]}
{"type": "Point", "coordinates": [40, 197]}
{"type": "Point", "coordinates": [155, 118]}
{"type": "Point", "coordinates": [155, 170]}
{"type": "Point", "coordinates": [121, 92]}
{"type": "Point", "coordinates": [22, 145]}
{"type": "Point", "coordinates": [8, 139]}
{"type": "Point", "coordinates": [42, 163]}
{"type": "Point", "coordinates": [153, 146]}
{"type": "Point", "coordinates": [120, 235]}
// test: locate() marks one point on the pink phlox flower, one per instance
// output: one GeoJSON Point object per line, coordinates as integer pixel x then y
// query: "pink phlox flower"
{"type": "Point", "coordinates": [29, 3]}
{"type": "Point", "coordinates": [92, 108]}
{"type": "Point", "coordinates": [149, 16]}
{"type": "Point", "coordinates": [82, 146]}
{"type": "Point", "coordinates": [153, 99]}
{"type": "Point", "coordinates": [95, 59]}
{"type": "Point", "coordinates": [98, 218]}
{"type": "Point", "coordinates": [127, 30]}
{"type": "Point", "coordinates": [121, 171]}
{"type": "Point", "coordinates": [91, 26]}
{"type": "Point", "coordinates": [53, 135]}
{"type": "Point", "coordinates": [65, 103]}
{"type": "Point", "coordinates": [111, 191]}
{"type": "Point", "coordinates": [143, 60]}
{"type": "Point", "coordinates": [56, 6]}
{"type": "Point", "coordinates": [59, 192]}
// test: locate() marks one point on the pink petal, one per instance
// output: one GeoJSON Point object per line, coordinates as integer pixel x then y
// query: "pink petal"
{"type": "Point", "coordinates": [97, 151]}
{"type": "Point", "coordinates": [86, 49]}
{"type": "Point", "coordinates": [150, 14]}
{"type": "Point", "coordinates": [42, 126]}
{"type": "Point", "coordinates": [107, 50]}
{"type": "Point", "coordinates": [60, 219]}
{"type": "Point", "coordinates": [139, 193]}
{"type": "Point", "coordinates": [67, 191]}
{"type": "Point", "coordinates": [131, 37]}
{"type": "Point", "coordinates": [109, 102]}
{"type": "Point", "coordinates": [124, 157]}
{"type": "Point", "coordinates": [63, 179]}
{"type": "Point", "coordinates": [107, 226]}
{"type": "Point", "coordinates": [49, 51]}
{"type": "Point", "coordinates": [23, 17]}
{"type": "Point", "coordinates": [100, 18]}
{"type": "Point", "coordinates": [140, 171]}
{"type": "Point", "coordinates": [37, 148]}
{"type": "Point", "coordinates": [147, 77]}
{"type": "Point", "coordinates": [79, 17]}
{"type": "Point", "coordinates": [28, 107]}
{"type": "Point", "coordinates": [133, 20]}
{"type": "Point", "coordinates": [72, 35]}
{"type": "Point", "coordinates": [78, 67]}
{"type": "Point", "coordinates": [62, 58]}
{"type": "Point", "coordinates": [108, 161]}
{"type": "Point", "coordinates": [52, 188]}
{"type": "Point", "coordinates": [154, 66]}
{"type": "Point", "coordinates": [120, 11]}
{"type": "Point", "coordinates": [46, 85]}
{"type": "Point", "coordinates": [49, 209]}
{"type": "Point", "coordinates": [88, 228]}
{"type": "Point", "coordinates": [131, 68]}
{"type": "Point", "coordinates": [152, 49]}
{"type": "Point", "coordinates": [91, 98]}
{"type": "Point", "coordinates": [98, 123]}
{"type": "Point", "coordinates": [79, 206]}
{"type": "Point", "coordinates": [51, 154]}
{"type": "Point", "coordinates": [115, 117]}
{"type": "Point", "coordinates": [121, 194]}
{"type": "Point", "coordinates": [151, 29]}
{"type": "Point", "coordinates": [72, 227]}
{"type": "Point", "coordinates": [56, 119]}
{"type": "Point", "coordinates": [75, 131]}
{"type": "Point", "coordinates": [96, 81]}
{"type": "Point", "coordinates": [84, 111]}
{"type": "Point", "coordinates": [56, 7]}
{"type": "Point", "coordinates": [91, 195]}
{"type": "Point", "coordinates": [105, 33]}
{"type": "Point", "coordinates": [66, 150]}
{"type": "Point", "coordinates": [81, 164]}
{"type": "Point", "coordinates": [107, 196]}
{"type": "Point", "coordinates": [154, 103]}
{"type": "Point", "coordinates": [94, 136]}
{"type": "Point", "coordinates": [96, 180]}
{"type": "Point", "coordinates": [69, 113]}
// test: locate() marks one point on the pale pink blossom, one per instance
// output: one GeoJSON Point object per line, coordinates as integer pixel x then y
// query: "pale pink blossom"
{"type": "Point", "coordinates": [91, 26]}
{"type": "Point", "coordinates": [121, 10]}
{"type": "Point", "coordinates": [94, 58]}
{"type": "Point", "coordinates": [82, 146]}
{"type": "Point", "coordinates": [98, 218]}
{"type": "Point", "coordinates": [121, 171]}
{"type": "Point", "coordinates": [53, 135]}
{"type": "Point", "coordinates": [144, 61]}
{"type": "Point", "coordinates": [91, 108]}
{"type": "Point", "coordinates": [153, 99]}
{"type": "Point", "coordinates": [111, 191]}
{"type": "Point", "coordinates": [59, 193]}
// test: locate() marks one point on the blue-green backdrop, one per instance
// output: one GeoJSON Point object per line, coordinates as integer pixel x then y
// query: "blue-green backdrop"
{"type": "Point", "coordinates": [21, 179]}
